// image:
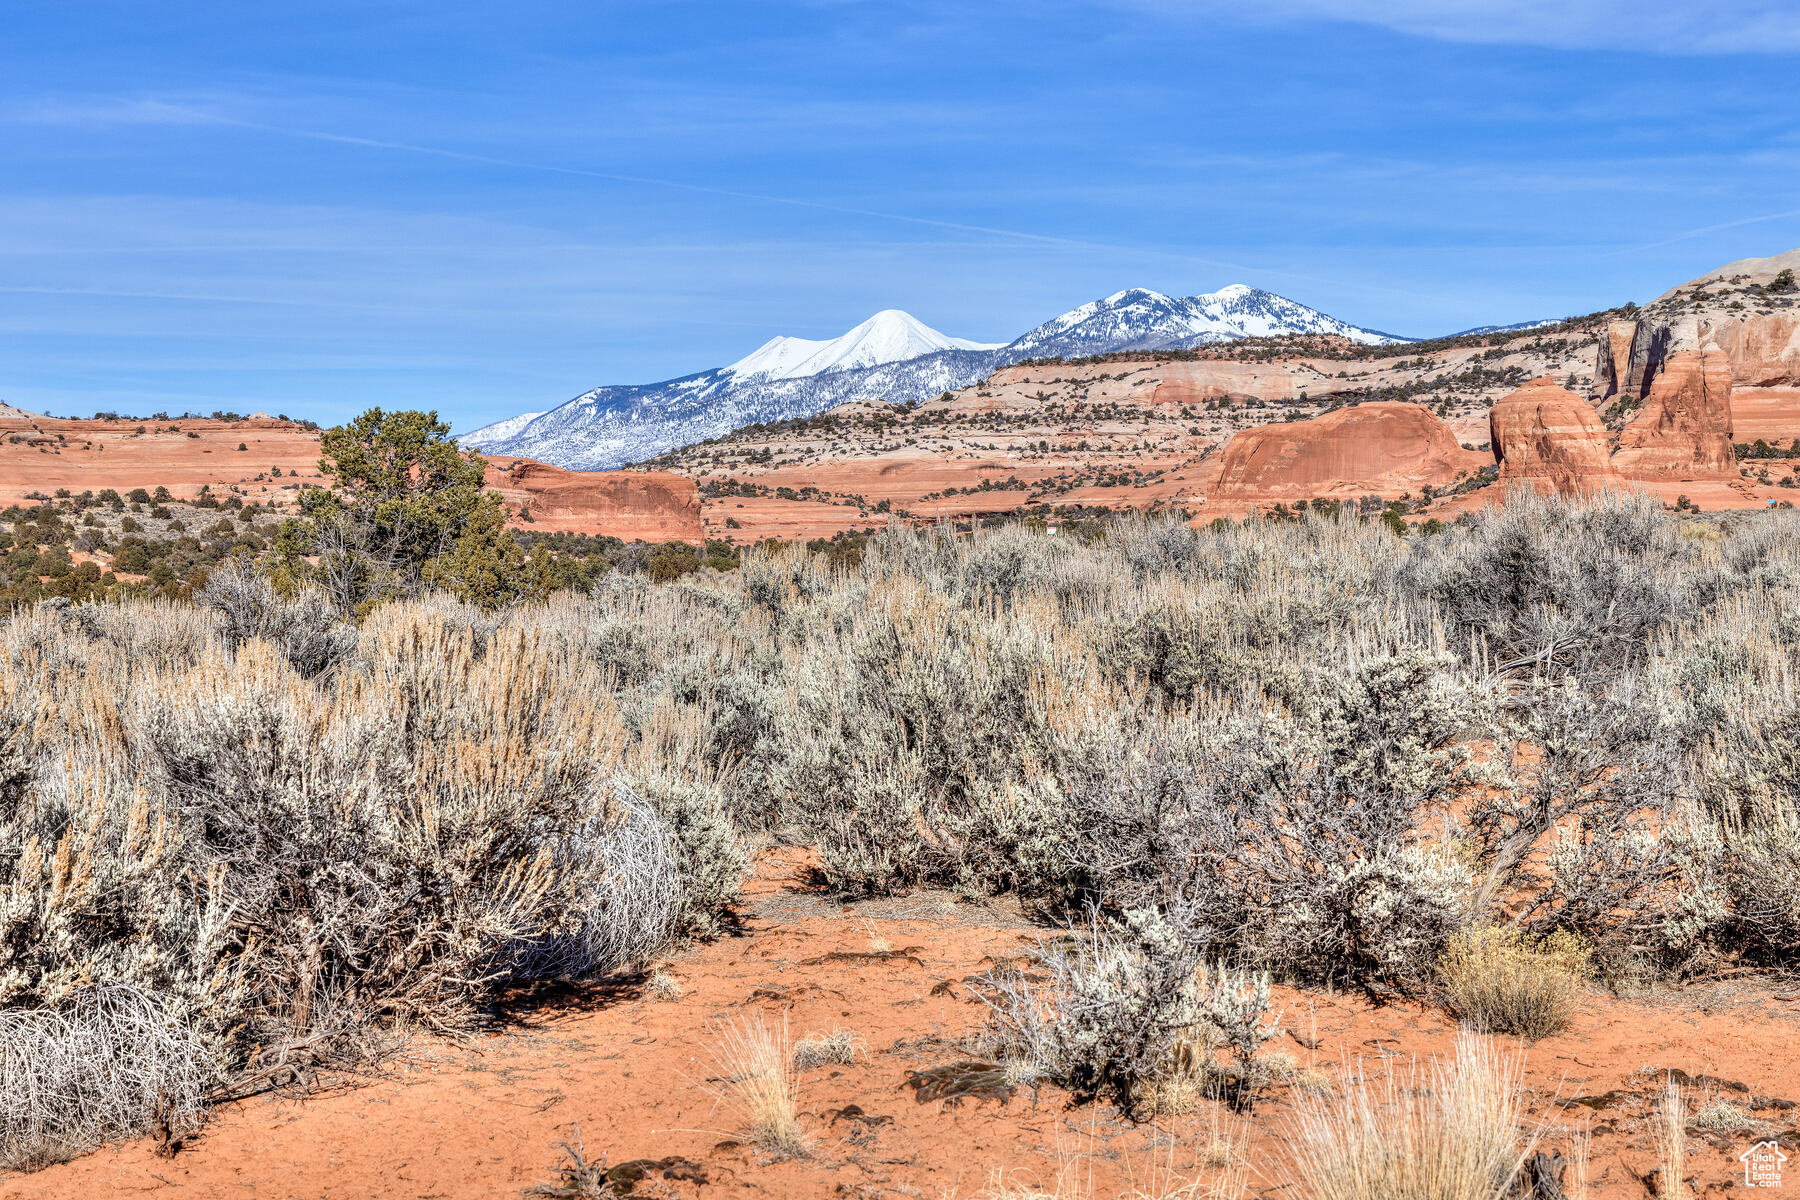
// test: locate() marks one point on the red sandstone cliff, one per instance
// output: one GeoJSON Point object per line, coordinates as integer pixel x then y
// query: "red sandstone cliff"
{"type": "Point", "coordinates": [652, 505]}
{"type": "Point", "coordinates": [1684, 429]}
{"type": "Point", "coordinates": [1383, 448]}
{"type": "Point", "coordinates": [1550, 439]}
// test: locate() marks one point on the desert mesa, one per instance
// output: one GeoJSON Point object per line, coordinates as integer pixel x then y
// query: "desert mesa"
{"type": "Point", "coordinates": [1695, 396]}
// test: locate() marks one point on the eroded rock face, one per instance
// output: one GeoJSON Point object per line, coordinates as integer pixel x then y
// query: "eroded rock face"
{"type": "Point", "coordinates": [1551, 439]}
{"type": "Point", "coordinates": [1615, 356]}
{"type": "Point", "coordinates": [1762, 351]}
{"type": "Point", "coordinates": [652, 505]}
{"type": "Point", "coordinates": [1383, 448]}
{"type": "Point", "coordinates": [1199, 382]}
{"type": "Point", "coordinates": [1651, 344]}
{"type": "Point", "coordinates": [1684, 429]}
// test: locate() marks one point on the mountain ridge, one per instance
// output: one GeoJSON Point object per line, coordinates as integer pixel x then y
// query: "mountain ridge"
{"type": "Point", "coordinates": [891, 357]}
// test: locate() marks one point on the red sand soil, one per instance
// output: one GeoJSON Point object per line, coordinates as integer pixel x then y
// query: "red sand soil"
{"type": "Point", "coordinates": [632, 1073]}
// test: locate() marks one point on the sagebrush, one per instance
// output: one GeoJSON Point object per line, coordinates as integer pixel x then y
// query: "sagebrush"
{"type": "Point", "coordinates": [1307, 748]}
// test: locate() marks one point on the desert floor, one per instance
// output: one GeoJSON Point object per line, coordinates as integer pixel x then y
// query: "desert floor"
{"type": "Point", "coordinates": [628, 1076]}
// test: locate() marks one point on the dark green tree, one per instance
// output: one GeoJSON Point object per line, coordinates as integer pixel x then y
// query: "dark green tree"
{"type": "Point", "coordinates": [407, 508]}
{"type": "Point", "coordinates": [485, 565]}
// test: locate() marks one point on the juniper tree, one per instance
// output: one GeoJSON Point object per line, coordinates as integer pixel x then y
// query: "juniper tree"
{"type": "Point", "coordinates": [407, 506]}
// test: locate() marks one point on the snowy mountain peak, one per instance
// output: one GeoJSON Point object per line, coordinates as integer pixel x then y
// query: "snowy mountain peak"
{"type": "Point", "coordinates": [889, 336]}
{"type": "Point", "coordinates": [888, 359]}
{"type": "Point", "coordinates": [1140, 319]}
{"type": "Point", "coordinates": [1132, 296]}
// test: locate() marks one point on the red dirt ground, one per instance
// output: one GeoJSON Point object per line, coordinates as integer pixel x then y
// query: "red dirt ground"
{"type": "Point", "coordinates": [630, 1073]}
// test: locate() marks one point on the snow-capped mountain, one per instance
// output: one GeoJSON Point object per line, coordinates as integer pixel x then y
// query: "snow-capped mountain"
{"type": "Point", "coordinates": [890, 358]}
{"type": "Point", "coordinates": [889, 336]}
{"type": "Point", "coordinates": [502, 429]}
{"type": "Point", "coordinates": [1138, 319]}
{"type": "Point", "coordinates": [1517, 325]}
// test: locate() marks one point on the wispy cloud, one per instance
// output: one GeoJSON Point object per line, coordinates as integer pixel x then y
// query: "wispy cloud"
{"type": "Point", "coordinates": [106, 111]}
{"type": "Point", "coordinates": [1705, 230]}
{"type": "Point", "coordinates": [1645, 26]}
{"type": "Point", "coordinates": [97, 111]}
{"type": "Point", "coordinates": [128, 110]}
{"type": "Point", "coordinates": [573, 195]}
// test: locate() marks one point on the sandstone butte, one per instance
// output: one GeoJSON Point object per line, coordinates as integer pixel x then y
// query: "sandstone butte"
{"type": "Point", "coordinates": [1764, 353]}
{"type": "Point", "coordinates": [1615, 362]}
{"type": "Point", "coordinates": [1550, 439]}
{"type": "Point", "coordinates": [1382, 448]}
{"type": "Point", "coordinates": [1683, 431]}
{"type": "Point", "coordinates": [653, 506]}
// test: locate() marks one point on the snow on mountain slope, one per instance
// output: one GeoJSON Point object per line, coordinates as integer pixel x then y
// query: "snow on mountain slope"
{"type": "Point", "coordinates": [1514, 327]}
{"type": "Point", "coordinates": [887, 337]}
{"type": "Point", "coordinates": [1139, 319]}
{"type": "Point", "coordinates": [889, 358]}
{"type": "Point", "coordinates": [611, 426]}
{"type": "Point", "coordinates": [500, 429]}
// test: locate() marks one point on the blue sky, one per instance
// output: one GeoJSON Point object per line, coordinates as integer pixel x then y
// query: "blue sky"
{"type": "Point", "coordinates": [484, 208]}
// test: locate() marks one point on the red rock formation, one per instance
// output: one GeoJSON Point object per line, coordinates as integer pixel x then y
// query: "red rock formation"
{"type": "Point", "coordinates": [1763, 351]}
{"type": "Point", "coordinates": [1550, 439]}
{"type": "Point", "coordinates": [1615, 355]}
{"type": "Point", "coordinates": [1684, 429]}
{"type": "Point", "coordinates": [652, 505]}
{"type": "Point", "coordinates": [1199, 382]}
{"type": "Point", "coordinates": [1383, 448]}
{"type": "Point", "coordinates": [1772, 414]}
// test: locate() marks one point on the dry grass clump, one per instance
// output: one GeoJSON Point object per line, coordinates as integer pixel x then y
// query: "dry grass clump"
{"type": "Point", "coordinates": [839, 1047]}
{"type": "Point", "coordinates": [1719, 1115]}
{"type": "Point", "coordinates": [1580, 1146]}
{"type": "Point", "coordinates": [756, 1078]}
{"type": "Point", "coordinates": [1671, 1130]}
{"type": "Point", "coordinates": [1501, 981]}
{"type": "Point", "coordinates": [1282, 1068]}
{"type": "Point", "coordinates": [1451, 1132]}
{"type": "Point", "coordinates": [1225, 1147]}
{"type": "Point", "coordinates": [1223, 1153]}
{"type": "Point", "coordinates": [663, 986]}
{"type": "Point", "coordinates": [1012, 1186]}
